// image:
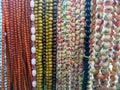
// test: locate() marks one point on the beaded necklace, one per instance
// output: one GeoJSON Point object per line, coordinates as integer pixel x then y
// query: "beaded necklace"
{"type": "Point", "coordinates": [59, 46]}
{"type": "Point", "coordinates": [39, 46]}
{"type": "Point", "coordinates": [68, 40]}
{"type": "Point", "coordinates": [91, 60]}
{"type": "Point", "coordinates": [115, 70]}
{"type": "Point", "coordinates": [73, 61]}
{"type": "Point", "coordinates": [4, 19]}
{"type": "Point", "coordinates": [33, 38]}
{"type": "Point", "coordinates": [77, 31]}
{"type": "Point", "coordinates": [45, 41]}
{"type": "Point", "coordinates": [0, 43]}
{"type": "Point", "coordinates": [18, 71]}
{"type": "Point", "coordinates": [97, 41]}
{"type": "Point", "coordinates": [76, 39]}
{"type": "Point", "coordinates": [113, 80]}
{"type": "Point", "coordinates": [62, 40]}
{"type": "Point", "coordinates": [105, 47]}
{"type": "Point", "coordinates": [55, 3]}
{"type": "Point", "coordinates": [49, 36]}
{"type": "Point", "coordinates": [81, 31]}
{"type": "Point", "coordinates": [87, 44]}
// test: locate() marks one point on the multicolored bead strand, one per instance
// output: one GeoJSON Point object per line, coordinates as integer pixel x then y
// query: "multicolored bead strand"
{"type": "Point", "coordinates": [78, 60]}
{"type": "Point", "coordinates": [114, 50]}
{"type": "Point", "coordinates": [33, 38]}
{"type": "Point", "coordinates": [81, 40]}
{"type": "Point", "coordinates": [61, 62]}
{"type": "Point", "coordinates": [106, 46]}
{"type": "Point", "coordinates": [116, 64]}
{"type": "Point", "coordinates": [59, 46]}
{"type": "Point", "coordinates": [97, 42]}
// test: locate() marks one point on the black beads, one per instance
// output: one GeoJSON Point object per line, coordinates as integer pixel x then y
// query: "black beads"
{"type": "Point", "coordinates": [87, 44]}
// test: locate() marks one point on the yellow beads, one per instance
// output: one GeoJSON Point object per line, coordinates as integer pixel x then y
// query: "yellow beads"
{"type": "Point", "coordinates": [39, 45]}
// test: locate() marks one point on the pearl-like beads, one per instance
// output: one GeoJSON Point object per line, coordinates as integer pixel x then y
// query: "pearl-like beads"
{"type": "Point", "coordinates": [33, 49]}
{"type": "Point", "coordinates": [34, 72]}
{"type": "Point", "coordinates": [33, 30]}
{"type": "Point", "coordinates": [33, 37]}
{"type": "Point", "coordinates": [31, 3]}
{"type": "Point", "coordinates": [34, 83]}
{"type": "Point", "coordinates": [33, 61]}
{"type": "Point", "coordinates": [32, 17]}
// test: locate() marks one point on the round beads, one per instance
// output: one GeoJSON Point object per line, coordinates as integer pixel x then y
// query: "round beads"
{"type": "Point", "coordinates": [34, 83]}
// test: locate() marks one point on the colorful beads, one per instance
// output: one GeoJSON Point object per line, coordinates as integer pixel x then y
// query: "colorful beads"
{"type": "Point", "coordinates": [59, 44]}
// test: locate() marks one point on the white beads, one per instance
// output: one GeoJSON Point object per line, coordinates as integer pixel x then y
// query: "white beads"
{"type": "Point", "coordinates": [31, 3]}
{"type": "Point", "coordinates": [34, 72]}
{"type": "Point", "coordinates": [34, 83]}
{"type": "Point", "coordinates": [33, 49]}
{"type": "Point", "coordinates": [33, 37]}
{"type": "Point", "coordinates": [33, 30]}
{"type": "Point", "coordinates": [33, 61]}
{"type": "Point", "coordinates": [32, 17]}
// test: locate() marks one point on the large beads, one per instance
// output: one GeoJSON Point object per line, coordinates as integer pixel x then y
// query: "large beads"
{"type": "Point", "coordinates": [33, 49]}
{"type": "Point", "coordinates": [32, 3]}
{"type": "Point", "coordinates": [32, 17]}
{"type": "Point", "coordinates": [33, 30]}
{"type": "Point", "coordinates": [34, 83]}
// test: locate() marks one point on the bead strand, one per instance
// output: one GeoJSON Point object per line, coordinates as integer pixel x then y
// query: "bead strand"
{"type": "Point", "coordinates": [63, 44]}
{"type": "Point", "coordinates": [49, 37]}
{"type": "Point", "coordinates": [87, 44]}
{"type": "Point", "coordinates": [73, 61]}
{"type": "Point", "coordinates": [3, 41]}
{"type": "Point", "coordinates": [106, 46]}
{"type": "Point", "coordinates": [77, 39]}
{"type": "Point", "coordinates": [115, 71]}
{"type": "Point", "coordinates": [39, 46]}
{"type": "Point", "coordinates": [91, 62]}
{"type": "Point", "coordinates": [68, 44]}
{"type": "Point", "coordinates": [33, 38]}
{"type": "Point", "coordinates": [45, 41]}
{"type": "Point", "coordinates": [97, 41]}
{"type": "Point", "coordinates": [5, 23]}
{"type": "Point", "coordinates": [15, 36]}
{"type": "Point", "coordinates": [28, 39]}
{"type": "Point", "coordinates": [113, 67]}
{"type": "Point", "coordinates": [59, 45]}
{"type": "Point", "coordinates": [0, 43]}
{"type": "Point", "coordinates": [54, 46]}
{"type": "Point", "coordinates": [81, 40]}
